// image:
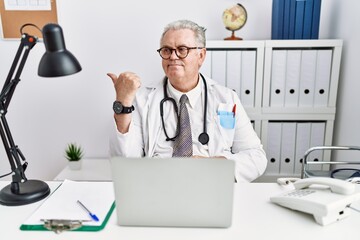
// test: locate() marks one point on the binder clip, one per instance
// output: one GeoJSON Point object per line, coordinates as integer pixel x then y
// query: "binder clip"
{"type": "Point", "coordinates": [60, 225]}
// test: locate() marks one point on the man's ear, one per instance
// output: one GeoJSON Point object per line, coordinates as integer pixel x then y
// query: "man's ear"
{"type": "Point", "coordinates": [202, 55]}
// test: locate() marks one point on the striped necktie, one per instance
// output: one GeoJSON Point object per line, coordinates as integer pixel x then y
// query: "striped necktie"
{"type": "Point", "coordinates": [183, 143]}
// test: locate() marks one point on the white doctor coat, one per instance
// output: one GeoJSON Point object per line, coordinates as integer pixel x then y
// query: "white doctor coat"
{"type": "Point", "coordinates": [240, 143]}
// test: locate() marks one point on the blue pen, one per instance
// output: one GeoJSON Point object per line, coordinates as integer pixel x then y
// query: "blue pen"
{"type": "Point", "coordinates": [93, 216]}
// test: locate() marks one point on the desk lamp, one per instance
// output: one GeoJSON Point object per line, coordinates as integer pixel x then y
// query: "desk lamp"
{"type": "Point", "coordinates": [57, 61]}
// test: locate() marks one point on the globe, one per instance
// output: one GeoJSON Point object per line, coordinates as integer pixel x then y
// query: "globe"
{"type": "Point", "coordinates": [234, 18]}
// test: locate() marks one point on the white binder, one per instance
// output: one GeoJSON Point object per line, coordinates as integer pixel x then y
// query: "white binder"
{"type": "Point", "coordinates": [233, 70]}
{"type": "Point", "coordinates": [323, 73]}
{"type": "Point", "coordinates": [292, 84]}
{"type": "Point", "coordinates": [206, 66]}
{"type": "Point", "coordinates": [288, 136]}
{"type": "Point", "coordinates": [303, 130]}
{"type": "Point", "coordinates": [307, 79]}
{"type": "Point", "coordinates": [278, 75]}
{"type": "Point", "coordinates": [248, 76]}
{"type": "Point", "coordinates": [317, 139]}
{"type": "Point", "coordinates": [273, 148]}
{"type": "Point", "coordinates": [218, 67]}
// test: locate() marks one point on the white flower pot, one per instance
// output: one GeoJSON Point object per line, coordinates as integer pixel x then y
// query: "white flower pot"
{"type": "Point", "coordinates": [75, 165]}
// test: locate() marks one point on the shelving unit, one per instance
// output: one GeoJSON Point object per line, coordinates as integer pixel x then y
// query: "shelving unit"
{"type": "Point", "coordinates": [292, 87]}
{"type": "Point", "coordinates": [231, 62]}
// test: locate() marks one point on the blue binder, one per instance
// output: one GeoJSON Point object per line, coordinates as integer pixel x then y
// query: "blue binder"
{"type": "Point", "coordinates": [277, 24]}
{"type": "Point", "coordinates": [308, 19]}
{"type": "Point", "coordinates": [315, 19]}
{"type": "Point", "coordinates": [292, 19]}
{"type": "Point", "coordinates": [286, 19]}
{"type": "Point", "coordinates": [299, 18]}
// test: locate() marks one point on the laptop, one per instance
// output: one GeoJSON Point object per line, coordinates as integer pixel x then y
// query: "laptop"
{"type": "Point", "coordinates": [173, 192]}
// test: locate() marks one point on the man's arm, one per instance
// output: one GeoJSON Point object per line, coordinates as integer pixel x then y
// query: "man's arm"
{"type": "Point", "coordinates": [126, 86]}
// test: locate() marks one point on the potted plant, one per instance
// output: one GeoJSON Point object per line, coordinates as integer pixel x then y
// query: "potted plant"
{"type": "Point", "coordinates": [74, 154]}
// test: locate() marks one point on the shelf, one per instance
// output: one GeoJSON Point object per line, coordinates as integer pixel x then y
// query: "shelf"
{"type": "Point", "coordinates": [307, 101]}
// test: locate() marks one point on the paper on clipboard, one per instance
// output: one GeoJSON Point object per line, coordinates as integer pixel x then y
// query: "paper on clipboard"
{"type": "Point", "coordinates": [62, 204]}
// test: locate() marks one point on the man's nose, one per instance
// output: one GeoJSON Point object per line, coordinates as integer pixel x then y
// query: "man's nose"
{"type": "Point", "coordinates": [173, 54]}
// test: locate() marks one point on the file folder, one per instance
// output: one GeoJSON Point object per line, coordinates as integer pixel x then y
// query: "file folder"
{"type": "Point", "coordinates": [292, 85]}
{"type": "Point", "coordinates": [287, 21]}
{"type": "Point", "coordinates": [233, 70]}
{"type": "Point", "coordinates": [292, 15]}
{"type": "Point", "coordinates": [308, 18]}
{"type": "Point", "coordinates": [277, 20]}
{"type": "Point", "coordinates": [316, 19]}
{"type": "Point", "coordinates": [62, 204]}
{"type": "Point", "coordinates": [303, 130]}
{"type": "Point", "coordinates": [317, 139]}
{"type": "Point", "coordinates": [323, 76]}
{"type": "Point", "coordinates": [288, 134]}
{"type": "Point", "coordinates": [299, 18]}
{"type": "Point", "coordinates": [248, 76]}
{"type": "Point", "coordinates": [218, 67]}
{"type": "Point", "coordinates": [278, 75]}
{"type": "Point", "coordinates": [273, 148]}
{"type": "Point", "coordinates": [307, 79]}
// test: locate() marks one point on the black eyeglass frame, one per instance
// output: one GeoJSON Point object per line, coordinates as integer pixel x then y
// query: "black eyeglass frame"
{"type": "Point", "coordinates": [176, 51]}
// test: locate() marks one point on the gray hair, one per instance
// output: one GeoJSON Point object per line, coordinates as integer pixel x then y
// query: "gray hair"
{"type": "Point", "coordinates": [187, 24]}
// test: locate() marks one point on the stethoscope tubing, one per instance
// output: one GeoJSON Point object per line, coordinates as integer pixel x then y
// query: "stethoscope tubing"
{"type": "Point", "coordinates": [203, 137]}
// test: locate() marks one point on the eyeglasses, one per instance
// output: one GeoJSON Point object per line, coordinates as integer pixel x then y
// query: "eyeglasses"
{"type": "Point", "coordinates": [345, 173]}
{"type": "Point", "coordinates": [181, 52]}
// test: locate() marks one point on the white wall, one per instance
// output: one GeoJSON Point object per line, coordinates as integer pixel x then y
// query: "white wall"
{"type": "Point", "coordinates": [114, 36]}
{"type": "Point", "coordinates": [347, 130]}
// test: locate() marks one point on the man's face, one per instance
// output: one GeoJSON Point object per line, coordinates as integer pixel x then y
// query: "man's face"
{"type": "Point", "coordinates": [181, 71]}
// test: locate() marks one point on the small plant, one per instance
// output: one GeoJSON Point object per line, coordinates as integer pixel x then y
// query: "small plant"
{"type": "Point", "coordinates": [73, 152]}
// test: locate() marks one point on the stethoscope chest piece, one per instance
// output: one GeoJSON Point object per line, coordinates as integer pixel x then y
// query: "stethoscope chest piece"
{"type": "Point", "coordinates": [203, 138]}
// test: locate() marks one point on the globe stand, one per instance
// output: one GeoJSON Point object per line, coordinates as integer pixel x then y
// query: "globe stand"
{"type": "Point", "coordinates": [233, 37]}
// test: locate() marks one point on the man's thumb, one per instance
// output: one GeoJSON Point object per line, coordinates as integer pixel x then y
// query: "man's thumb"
{"type": "Point", "coordinates": [112, 76]}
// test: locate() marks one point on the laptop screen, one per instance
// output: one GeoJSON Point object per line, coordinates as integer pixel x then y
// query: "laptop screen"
{"type": "Point", "coordinates": [173, 192]}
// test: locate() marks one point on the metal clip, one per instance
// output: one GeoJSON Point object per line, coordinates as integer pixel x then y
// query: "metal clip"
{"type": "Point", "coordinates": [60, 225]}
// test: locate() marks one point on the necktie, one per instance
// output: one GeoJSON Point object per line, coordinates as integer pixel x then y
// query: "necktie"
{"type": "Point", "coordinates": [183, 143]}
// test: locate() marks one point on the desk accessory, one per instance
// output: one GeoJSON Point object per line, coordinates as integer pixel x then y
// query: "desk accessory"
{"type": "Point", "coordinates": [92, 215]}
{"type": "Point", "coordinates": [61, 211]}
{"type": "Point", "coordinates": [74, 154]}
{"type": "Point", "coordinates": [327, 199]}
{"type": "Point", "coordinates": [234, 18]}
{"type": "Point", "coordinates": [57, 61]}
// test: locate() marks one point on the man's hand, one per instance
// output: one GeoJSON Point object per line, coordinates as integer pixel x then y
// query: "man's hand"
{"type": "Point", "coordinates": [125, 86]}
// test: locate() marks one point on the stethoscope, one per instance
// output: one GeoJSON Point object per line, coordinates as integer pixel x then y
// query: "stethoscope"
{"type": "Point", "coordinates": [203, 137]}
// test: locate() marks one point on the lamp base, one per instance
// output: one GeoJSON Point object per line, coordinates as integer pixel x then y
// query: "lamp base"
{"type": "Point", "coordinates": [29, 192]}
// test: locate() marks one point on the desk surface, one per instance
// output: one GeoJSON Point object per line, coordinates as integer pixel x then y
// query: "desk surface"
{"type": "Point", "coordinates": [255, 217]}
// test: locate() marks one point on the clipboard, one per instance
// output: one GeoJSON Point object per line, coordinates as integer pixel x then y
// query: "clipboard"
{"type": "Point", "coordinates": [60, 211]}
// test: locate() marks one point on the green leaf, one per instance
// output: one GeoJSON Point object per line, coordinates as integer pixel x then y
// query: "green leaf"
{"type": "Point", "coordinates": [73, 152]}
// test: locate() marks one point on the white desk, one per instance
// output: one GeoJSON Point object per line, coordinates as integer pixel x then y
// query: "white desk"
{"type": "Point", "coordinates": [91, 170]}
{"type": "Point", "coordinates": [255, 217]}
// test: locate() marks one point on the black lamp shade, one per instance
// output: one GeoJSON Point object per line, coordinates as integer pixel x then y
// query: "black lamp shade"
{"type": "Point", "coordinates": [57, 61]}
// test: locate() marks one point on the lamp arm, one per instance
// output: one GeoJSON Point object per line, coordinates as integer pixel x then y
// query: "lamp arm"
{"type": "Point", "coordinates": [12, 151]}
{"type": "Point", "coordinates": [26, 44]}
